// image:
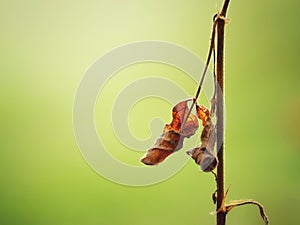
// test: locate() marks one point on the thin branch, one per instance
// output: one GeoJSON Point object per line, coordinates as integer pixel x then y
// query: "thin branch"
{"type": "Point", "coordinates": [225, 7]}
{"type": "Point", "coordinates": [213, 100]}
{"type": "Point", "coordinates": [246, 202]}
{"type": "Point", "coordinates": [211, 47]}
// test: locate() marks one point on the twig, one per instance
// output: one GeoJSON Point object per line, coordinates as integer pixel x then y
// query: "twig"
{"type": "Point", "coordinates": [213, 99]}
{"type": "Point", "coordinates": [246, 202]}
{"type": "Point", "coordinates": [211, 47]}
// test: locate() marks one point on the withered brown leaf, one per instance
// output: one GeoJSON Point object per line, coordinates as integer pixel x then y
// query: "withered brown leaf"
{"type": "Point", "coordinates": [202, 113]}
{"type": "Point", "coordinates": [173, 135]}
{"type": "Point", "coordinates": [204, 155]}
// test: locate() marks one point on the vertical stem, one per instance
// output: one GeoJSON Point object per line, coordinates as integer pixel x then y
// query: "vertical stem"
{"type": "Point", "coordinates": [221, 216]}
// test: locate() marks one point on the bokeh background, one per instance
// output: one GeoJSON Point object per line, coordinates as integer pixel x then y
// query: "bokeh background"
{"type": "Point", "coordinates": [46, 47]}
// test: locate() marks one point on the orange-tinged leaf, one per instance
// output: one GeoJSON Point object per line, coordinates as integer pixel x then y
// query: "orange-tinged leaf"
{"type": "Point", "coordinates": [155, 156]}
{"type": "Point", "coordinates": [165, 145]}
{"type": "Point", "coordinates": [173, 135]}
{"type": "Point", "coordinates": [190, 126]}
{"type": "Point", "coordinates": [202, 113]}
{"type": "Point", "coordinates": [180, 113]}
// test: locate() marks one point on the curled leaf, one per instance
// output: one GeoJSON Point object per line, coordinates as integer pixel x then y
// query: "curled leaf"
{"type": "Point", "coordinates": [205, 159]}
{"type": "Point", "coordinates": [180, 113]}
{"type": "Point", "coordinates": [173, 134]}
{"type": "Point", "coordinates": [204, 155]}
{"type": "Point", "coordinates": [202, 113]}
{"type": "Point", "coordinates": [165, 145]}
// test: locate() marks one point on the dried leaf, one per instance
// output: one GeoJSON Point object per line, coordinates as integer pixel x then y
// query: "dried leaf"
{"type": "Point", "coordinates": [204, 155]}
{"type": "Point", "coordinates": [205, 159]}
{"type": "Point", "coordinates": [202, 113]}
{"type": "Point", "coordinates": [173, 135]}
{"type": "Point", "coordinates": [165, 145]}
{"type": "Point", "coordinates": [180, 113]}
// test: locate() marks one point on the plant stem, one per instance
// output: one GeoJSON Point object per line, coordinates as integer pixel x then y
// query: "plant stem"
{"type": "Point", "coordinates": [221, 216]}
{"type": "Point", "coordinates": [211, 48]}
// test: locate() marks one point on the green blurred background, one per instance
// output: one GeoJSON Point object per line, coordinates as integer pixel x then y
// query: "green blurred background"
{"type": "Point", "coordinates": [46, 47]}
